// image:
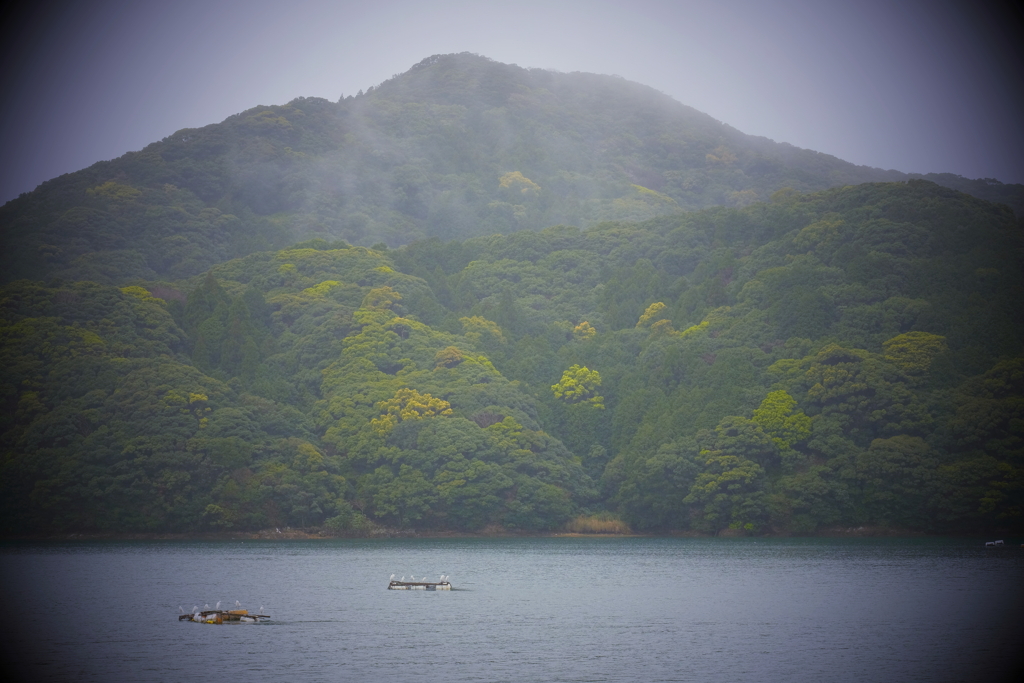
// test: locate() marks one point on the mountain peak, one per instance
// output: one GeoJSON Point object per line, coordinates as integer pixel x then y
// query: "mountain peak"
{"type": "Point", "coordinates": [426, 153]}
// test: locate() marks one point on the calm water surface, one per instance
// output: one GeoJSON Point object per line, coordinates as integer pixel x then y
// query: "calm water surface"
{"type": "Point", "coordinates": [538, 609]}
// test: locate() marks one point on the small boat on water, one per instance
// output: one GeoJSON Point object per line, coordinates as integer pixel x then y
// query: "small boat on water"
{"type": "Point", "coordinates": [422, 585]}
{"type": "Point", "coordinates": [218, 616]}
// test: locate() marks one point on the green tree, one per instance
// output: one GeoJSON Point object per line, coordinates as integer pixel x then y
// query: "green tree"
{"type": "Point", "coordinates": [900, 479]}
{"type": "Point", "coordinates": [728, 493]}
{"type": "Point", "coordinates": [652, 496]}
{"type": "Point", "coordinates": [579, 384]}
{"type": "Point", "coordinates": [405, 500]}
{"type": "Point", "coordinates": [448, 357]}
{"type": "Point", "coordinates": [407, 404]}
{"type": "Point", "coordinates": [914, 352]}
{"type": "Point", "coordinates": [777, 419]}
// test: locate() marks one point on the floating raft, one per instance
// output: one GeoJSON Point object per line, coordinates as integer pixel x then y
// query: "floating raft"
{"type": "Point", "coordinates": [218, 616]}
{"type": "Point", "coordinates": [419, 586]}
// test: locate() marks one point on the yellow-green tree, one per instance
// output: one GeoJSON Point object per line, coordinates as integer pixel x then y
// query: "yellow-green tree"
{"type": "Point", "coordinates": [482, 330]}
{"type": "Point", "coordinates": [485, 335]}
{"type": "Point", "coordinates": [448, 357]}
{"type": "Point", "coordinates": [653, 313]}
{"type": "Point", "coordinates": [519, 184]}
{"type": "Point", "coordinates": [578, 385]}
{"type": "Point", "coordinates": [914, 352]}
{"type": "Point", "coordinates": [584, 331]}
{"type": "Point", "coordinates": [381, 298]}
{"type": "Point", "coordinates": [408, 404]}
{"type": "Point", "coordinates": [776, 418]}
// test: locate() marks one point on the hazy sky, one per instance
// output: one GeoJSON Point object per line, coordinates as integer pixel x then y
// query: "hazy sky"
{"type": "Point", "coordinates": [916, 86]}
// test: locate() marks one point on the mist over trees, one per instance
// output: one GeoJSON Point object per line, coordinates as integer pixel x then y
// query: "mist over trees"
{"type": "Point", "coordinates": [581, 298]}
{"type": "Point", "coordinates": [458, 146]}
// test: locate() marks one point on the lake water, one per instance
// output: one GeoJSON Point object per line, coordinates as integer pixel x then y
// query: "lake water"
{"type": "Point", "coordinates": [535, 609]}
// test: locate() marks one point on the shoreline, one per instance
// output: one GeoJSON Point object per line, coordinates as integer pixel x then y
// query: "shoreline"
{"type": "Point", "coordinates": [317, 534]}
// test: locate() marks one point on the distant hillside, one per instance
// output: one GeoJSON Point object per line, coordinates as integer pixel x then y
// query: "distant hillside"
{"type": "Point", "coordinates": [457, 146]}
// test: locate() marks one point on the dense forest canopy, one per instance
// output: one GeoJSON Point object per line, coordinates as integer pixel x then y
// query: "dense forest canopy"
{"type": "Point", "coordinates": [481, 297]}
{"type": "Point", "coordinates": [458, 146]}
{"type": "Point", "coordinates": [851, 356]}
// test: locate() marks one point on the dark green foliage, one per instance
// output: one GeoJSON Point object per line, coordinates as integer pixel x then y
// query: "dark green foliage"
{"type": "Point", "coordinates": [850, 357]}
{"type": "Point", "coordinates": [457, 146]}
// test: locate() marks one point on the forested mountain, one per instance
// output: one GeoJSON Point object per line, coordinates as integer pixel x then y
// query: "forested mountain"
{"type": "Point", "coordinates": [458, 146]}
{"type": "Point", "coordinates": [851, 356]}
